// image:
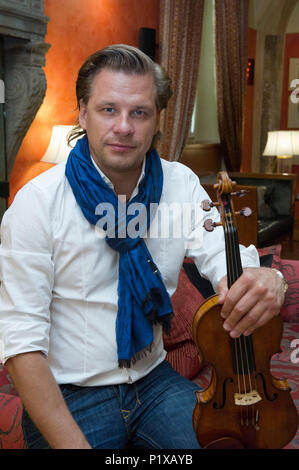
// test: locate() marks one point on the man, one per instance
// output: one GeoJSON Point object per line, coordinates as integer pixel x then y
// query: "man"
{"type": "Point", "coordinates": [82, 309]}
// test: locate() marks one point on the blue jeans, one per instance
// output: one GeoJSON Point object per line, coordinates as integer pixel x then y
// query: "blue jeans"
{"type": "Point", "coordinates": [152, 413]}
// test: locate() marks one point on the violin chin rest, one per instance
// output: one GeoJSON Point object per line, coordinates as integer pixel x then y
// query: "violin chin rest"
{"type": "Point", "coordinates": [225, 443]}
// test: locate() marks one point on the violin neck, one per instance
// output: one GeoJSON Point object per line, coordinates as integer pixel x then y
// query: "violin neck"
{"type": "Point", "coordinates": [233, 258]}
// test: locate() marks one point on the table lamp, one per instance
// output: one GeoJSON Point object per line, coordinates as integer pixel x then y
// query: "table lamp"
{"type": "Point", "coordinates": [58, 149]}
{"type": "Point", "coordinates": [283, 145]}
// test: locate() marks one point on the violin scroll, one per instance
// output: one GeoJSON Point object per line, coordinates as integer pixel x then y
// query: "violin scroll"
{"type": "Point", "coordinates": [225, 189]}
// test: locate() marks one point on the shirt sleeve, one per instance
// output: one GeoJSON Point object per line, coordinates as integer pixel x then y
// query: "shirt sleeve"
{"type": "Point", "coordinates": [208, 248]}
{"type": "Point", "coordinates": [27, 275]}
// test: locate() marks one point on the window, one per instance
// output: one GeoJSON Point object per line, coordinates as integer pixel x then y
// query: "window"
{"type": "Point", "coordinates": [204, 125]}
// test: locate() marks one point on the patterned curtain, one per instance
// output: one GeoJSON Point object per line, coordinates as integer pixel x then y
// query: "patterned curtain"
{"type": "Point", "coordinates": [180, 34]}
{"type": "Point", "coordinates": [231, 24]}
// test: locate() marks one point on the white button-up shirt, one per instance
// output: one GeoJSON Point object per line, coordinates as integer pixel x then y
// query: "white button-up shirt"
{"type": "Point", "coordinates": [59, 277]}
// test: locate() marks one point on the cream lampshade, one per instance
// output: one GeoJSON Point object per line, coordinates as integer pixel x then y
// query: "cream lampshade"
{"type": "Point", "coordinates": [58, 149]}
{"type": "Point", "coordinates": [283, 145]}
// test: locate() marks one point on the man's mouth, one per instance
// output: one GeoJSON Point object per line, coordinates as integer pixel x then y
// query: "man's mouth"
{"type": "Point", "coordinates": [119, 147]}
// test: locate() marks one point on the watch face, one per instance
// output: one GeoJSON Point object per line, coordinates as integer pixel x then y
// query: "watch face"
{"type": "Point", "coordinates": [285, 284]}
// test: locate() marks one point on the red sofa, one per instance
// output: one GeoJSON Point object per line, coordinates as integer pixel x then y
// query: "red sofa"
{"type": "Point", "coordinates": [181, 350]}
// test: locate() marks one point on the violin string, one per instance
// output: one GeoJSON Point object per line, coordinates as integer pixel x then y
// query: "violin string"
{"type": "Point", "coordinates": [255, 411]}
{"type": "Point", "coordinates": [253, 407]}
{"type": "Point", "coordinates": [248, 349]}
{"type": "Point", "coordinates": [247, 340]}
{"type": "Point", "coordinates": [231, 278]}
{"type": "Point", "coordinates": [248, 369]}
{"type": "Point", "coordinates": [240, 341]}
{"type": "Point", "coordinates": [243, 346]}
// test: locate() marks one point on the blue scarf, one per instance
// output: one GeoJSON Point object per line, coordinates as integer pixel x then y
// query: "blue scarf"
{"type": "Point", "coordinates": [142, 296]}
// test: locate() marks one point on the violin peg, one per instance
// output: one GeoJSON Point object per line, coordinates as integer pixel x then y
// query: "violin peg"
{"type": "Point", "coordinates": [245, 212]}
{"type": "Point", "coordinates": [240, 193]}
{"type": "Point", "coordinates": [209, 225]}
{"type": "Point", "coordinates": [207, 205]}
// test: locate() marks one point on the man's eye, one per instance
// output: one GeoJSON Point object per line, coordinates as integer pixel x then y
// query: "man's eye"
{"type": "Point", "coordinates": [139, 113]}
{"type": "Point", "coordinates": [108, 110]}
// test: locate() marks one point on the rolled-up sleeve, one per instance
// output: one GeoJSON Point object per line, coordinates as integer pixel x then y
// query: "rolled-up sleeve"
{"type": "Point", "coordinates": [27, 274]}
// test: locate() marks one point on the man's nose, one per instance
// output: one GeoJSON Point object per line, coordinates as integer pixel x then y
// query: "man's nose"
{"type": "Point", "coordinates": [123, 124]}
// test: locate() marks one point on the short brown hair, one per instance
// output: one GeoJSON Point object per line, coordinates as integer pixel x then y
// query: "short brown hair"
{"type": "Point", "coordinates": [128, 59]}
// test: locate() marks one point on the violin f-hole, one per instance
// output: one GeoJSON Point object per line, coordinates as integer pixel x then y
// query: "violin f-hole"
{"type": "Point", "coordinates": [219, 407]}
{"type": "Point", "coordinates": [275, 395]}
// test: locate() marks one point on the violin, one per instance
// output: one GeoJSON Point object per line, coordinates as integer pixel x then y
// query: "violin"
{"type": "Point", "coordinates": [244, 406]}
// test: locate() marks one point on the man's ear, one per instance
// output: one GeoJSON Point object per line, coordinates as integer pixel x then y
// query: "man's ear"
{"type": "Point", "coordinates": [82, 114]}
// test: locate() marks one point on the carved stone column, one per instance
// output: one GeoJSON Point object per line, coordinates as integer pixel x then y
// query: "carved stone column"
{"type": "Point", "coordinates": [23, 28]}
{"type": "Point", "coordinates": [25, 90]}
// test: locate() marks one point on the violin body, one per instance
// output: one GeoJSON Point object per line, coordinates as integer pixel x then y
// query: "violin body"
{"type": "Point", "coordinates": [243, 406]}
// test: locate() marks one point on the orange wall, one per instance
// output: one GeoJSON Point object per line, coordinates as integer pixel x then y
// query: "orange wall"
{"type": "Point", "coordinates": [76, 29]}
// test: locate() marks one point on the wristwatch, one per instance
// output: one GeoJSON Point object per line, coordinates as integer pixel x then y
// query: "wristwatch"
{"type": "Point", "coordinates": [284, 282]}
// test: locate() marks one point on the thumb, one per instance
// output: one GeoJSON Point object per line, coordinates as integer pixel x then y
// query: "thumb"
{"type": "Point", "coordinates": [222, 290]}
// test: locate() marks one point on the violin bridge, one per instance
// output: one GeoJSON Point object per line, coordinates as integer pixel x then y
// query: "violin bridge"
{"type": "Point", "coordinates": [249, 398]}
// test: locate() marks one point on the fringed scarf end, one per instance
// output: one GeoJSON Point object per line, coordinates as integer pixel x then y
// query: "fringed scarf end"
{"type": "Point", "coordinates": [164, 320]}
{"type": "Point", "coordinates": [127, 363]}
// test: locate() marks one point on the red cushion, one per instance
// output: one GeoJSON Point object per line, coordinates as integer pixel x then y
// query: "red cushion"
{"type": "Point", "coordinates": [11, 433]}
{"type": "Point", "coordinates": [274, 250]}
{"type": "Point", "coordinates": [6, 384]}
{"type": "Point", "coordinates": [290, 270]}
{"type": "Point", "coordinates": [181, 350]}
{"type": "Point", "coordinates": [284, 365]}
{"type": "Point", "coordinates": [290, 309]}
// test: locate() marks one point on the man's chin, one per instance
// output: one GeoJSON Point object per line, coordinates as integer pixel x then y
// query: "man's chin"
{"type": "Point", "coordinates": [123, 163]}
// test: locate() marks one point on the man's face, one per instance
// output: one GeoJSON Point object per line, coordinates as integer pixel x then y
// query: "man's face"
{"type": "Point", "coordinates": [120, 120]}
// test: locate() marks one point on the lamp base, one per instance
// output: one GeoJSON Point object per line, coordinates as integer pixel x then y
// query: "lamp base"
{"type": "Point", "coordinates": [269, 164]}
{"type": "Point", "coordinates": [284, 164]}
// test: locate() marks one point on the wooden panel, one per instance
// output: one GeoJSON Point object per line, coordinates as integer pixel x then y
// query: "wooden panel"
{"type": "Point", "coordinates": [247, 226]}
{"type": "Point", "coordinates": [202, 157]}
{"type": "Point", "coordinates": [296, 230]}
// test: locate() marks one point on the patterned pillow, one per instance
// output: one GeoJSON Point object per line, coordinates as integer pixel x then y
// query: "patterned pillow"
{"type": "Point", "coordinates": [285, 366]}
{"type": "Point", "coordinates": [290, 309]}
{"type": "Point", "coordinates": [6, 384]}
{"type": "Point", "coordinates": [274, 250]}
{"type": "Point", "coordinates": [11, 433]}
{"type": "Point", "coordinates": [290, 270]}
{"type": "Point", "coordinates": [181, 350]}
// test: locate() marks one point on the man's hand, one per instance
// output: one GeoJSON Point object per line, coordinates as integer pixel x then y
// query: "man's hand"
{"type": "Point", "coordinates": [252, 300]}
